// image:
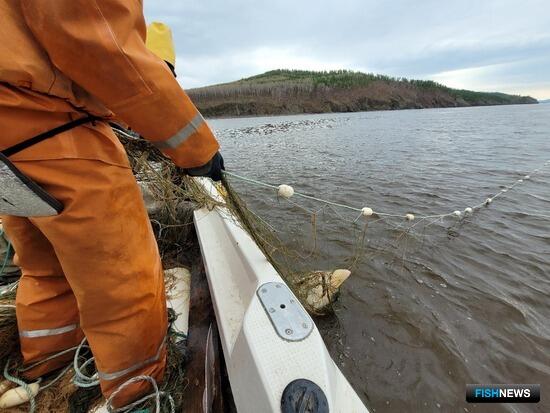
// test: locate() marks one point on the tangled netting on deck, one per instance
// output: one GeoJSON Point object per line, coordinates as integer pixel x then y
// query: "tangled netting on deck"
{"type": "Point", "coordinates": [171, 217]}
{"type": "Point", "coordinates": [58, 391]}
{"type": "Point", "coordinates": [8, 328]}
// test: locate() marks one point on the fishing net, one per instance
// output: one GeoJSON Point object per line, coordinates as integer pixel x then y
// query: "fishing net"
{"type": "Point", "coordinates": [171, 197]}
{"type": "Point", "coordinates": [64, 395]}
{"type": "Point", "coordinates": [298, 261]}
{"type": "Point", "coordinates": [8, 328]}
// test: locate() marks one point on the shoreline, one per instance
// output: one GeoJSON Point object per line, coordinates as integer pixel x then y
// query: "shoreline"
{"type": "Point", "coordinates": [274, 115]}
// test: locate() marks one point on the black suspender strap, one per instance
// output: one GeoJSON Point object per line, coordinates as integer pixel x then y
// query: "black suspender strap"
{"type": "Point", "coordinates": [47, 135]}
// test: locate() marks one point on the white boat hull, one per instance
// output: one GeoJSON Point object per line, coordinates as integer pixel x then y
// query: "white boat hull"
{"type": "Point", "coordinates": [260, 362]}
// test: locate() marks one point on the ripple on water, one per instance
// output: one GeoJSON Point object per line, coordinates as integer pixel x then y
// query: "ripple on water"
{"type": "Point", "coordinates": [453, 304]}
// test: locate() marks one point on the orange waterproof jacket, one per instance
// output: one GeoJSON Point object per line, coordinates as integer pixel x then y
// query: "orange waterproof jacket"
{"type": "Point", "coordinates": [75, 56]}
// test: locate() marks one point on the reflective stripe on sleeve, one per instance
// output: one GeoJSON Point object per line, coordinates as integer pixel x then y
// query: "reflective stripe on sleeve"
{"type": "Point", "coordinates": [117, 374]}
{"type": "Point", "coordinates": [48, 332]}
{"type": "Point", "coordinates": [184, 134]}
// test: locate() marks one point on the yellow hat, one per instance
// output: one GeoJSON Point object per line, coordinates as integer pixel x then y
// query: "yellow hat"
{"type": "Point", "coordinates": [160, 42]}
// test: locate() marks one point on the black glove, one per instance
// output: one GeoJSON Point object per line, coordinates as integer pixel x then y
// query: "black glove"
{"type": "Point", "coordinates": [213, 169]}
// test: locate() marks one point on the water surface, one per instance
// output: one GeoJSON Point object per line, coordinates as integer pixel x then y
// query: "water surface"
{"type": "Point", "coordinates": [449, 304]}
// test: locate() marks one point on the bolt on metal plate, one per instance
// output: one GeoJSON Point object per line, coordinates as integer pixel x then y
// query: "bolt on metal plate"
{"type": "Point", "coordinates": [290, 320]}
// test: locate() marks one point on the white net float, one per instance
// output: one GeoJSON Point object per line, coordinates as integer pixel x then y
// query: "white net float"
{"type": "Point", "coordinates": [367, 212]}
{"type": "Point", "coordinates": [18, 396]}
{"type": "Point", "coordinates": [285, 191]}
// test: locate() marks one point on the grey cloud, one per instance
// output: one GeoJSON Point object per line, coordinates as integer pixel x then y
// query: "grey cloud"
{"type": "Point", "coordinates": [401, 38]}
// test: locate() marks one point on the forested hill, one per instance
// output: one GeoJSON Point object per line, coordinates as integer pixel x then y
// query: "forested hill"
{"type": "Point", "coordinates": [296, 91]}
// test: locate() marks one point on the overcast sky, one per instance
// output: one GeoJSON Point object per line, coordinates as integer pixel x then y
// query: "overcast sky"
{"type": "Point", "coordinates": [492, 45]}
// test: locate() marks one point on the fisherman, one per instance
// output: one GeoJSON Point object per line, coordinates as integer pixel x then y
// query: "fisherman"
{"type": "Point", "coordinates": [92, 267]}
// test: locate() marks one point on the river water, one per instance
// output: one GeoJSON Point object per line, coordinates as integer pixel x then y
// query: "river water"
{"type": "Point", "coordinates": [446, 304]}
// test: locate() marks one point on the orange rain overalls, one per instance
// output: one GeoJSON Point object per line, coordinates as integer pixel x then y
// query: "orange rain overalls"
{"type": "Point", "coordinates": [95, 268]}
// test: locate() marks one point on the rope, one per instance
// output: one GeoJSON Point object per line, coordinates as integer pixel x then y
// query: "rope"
{"type": "Point", "coordinates": [25, 386]}
{"type": "Point", "coordinates": [157, 394]}
{"type": "Point", "coordinates": [22, 384]}
{"type": "Point", "coordinates": [53, 356]}
{"type": "Point", "coordinates": [258, 183]}
{"type": "Point", "coordinates": [80, 379]}
{"type": "Point", "coordinates": [409, 217]}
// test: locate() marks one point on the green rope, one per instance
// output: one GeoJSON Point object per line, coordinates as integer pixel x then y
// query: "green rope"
{"type": "Point", "coordinates": [21, 383]}
{"type": "Point", "coordinates": [25, 386]}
